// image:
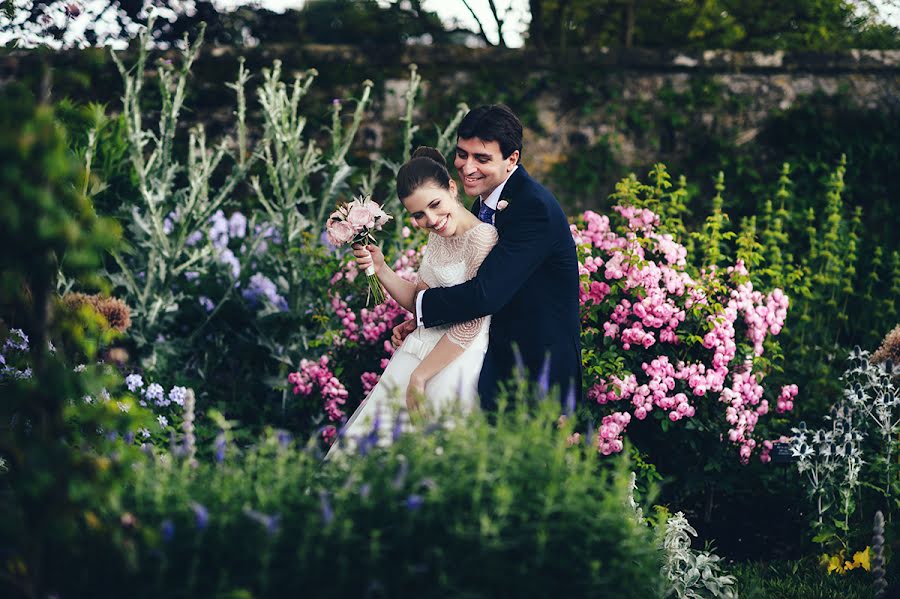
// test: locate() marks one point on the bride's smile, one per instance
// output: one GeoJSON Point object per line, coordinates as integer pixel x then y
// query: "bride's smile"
{"type": "Point", "coordinates": [437, 209]}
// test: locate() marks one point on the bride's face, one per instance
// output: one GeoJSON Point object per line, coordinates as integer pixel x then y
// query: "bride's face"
{"type": "Point", "coordinates": [435, 208]}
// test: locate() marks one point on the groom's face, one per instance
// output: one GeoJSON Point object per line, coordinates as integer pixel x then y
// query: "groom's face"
{"type": "Point", "coordinates": [481, 165]}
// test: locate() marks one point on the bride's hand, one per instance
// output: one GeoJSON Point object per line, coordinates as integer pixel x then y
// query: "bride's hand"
{"type": "Point", "coordinates": [368, 256]}
{"type": "Point", "coordinates": [415, 393]}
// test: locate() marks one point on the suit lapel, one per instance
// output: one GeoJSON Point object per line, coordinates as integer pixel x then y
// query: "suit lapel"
{"type": "Point", "coordinates": [510, 191]}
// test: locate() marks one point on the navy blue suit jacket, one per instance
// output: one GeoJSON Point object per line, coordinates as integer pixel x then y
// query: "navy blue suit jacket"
{"type": "Point", "coordinates": [529, 284]}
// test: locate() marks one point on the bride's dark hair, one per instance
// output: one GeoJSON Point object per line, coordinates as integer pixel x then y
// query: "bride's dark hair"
{"type": "Point", "coordinates": [427, 165]}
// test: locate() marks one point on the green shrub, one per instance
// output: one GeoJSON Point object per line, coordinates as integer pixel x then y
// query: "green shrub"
{"type": "Point", "coordinates": [471, 510]}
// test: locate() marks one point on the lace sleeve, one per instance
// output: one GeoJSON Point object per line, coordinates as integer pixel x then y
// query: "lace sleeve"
{"type": "Point", "coordinates": [481, 241]}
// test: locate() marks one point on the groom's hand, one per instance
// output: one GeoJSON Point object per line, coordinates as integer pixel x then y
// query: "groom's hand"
{"type": "Point", "coordinates": [402, 331]}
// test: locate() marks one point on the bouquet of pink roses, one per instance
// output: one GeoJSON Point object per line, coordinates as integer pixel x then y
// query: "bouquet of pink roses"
{"type": "Point", "coordinates": [355, 222]}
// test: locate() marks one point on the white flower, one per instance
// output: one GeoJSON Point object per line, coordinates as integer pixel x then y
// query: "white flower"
{"type": "Point", "coordinates": [79, 368]}
{"type": "Point", "coordinates": [123, 407]}
{"type": "Point", "coordinates": [163, 421]}
{"type": "Point", "coordinates": [88, 399]}
{"type": "Point", "coordinates": [145, 433]}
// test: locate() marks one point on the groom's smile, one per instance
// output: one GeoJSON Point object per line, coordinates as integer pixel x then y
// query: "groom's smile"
{"type": "Point", "coordinates": [481, 165]}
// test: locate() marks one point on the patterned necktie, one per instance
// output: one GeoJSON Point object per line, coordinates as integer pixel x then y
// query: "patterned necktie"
{"type": "Point", "coordinates": [486, 213]}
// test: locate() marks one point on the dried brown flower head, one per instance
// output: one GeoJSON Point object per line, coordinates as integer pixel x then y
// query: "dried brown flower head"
{"type": "Point", "coordinates": [114, 310]}
{"type": "Point", "coordinates": [890, 348]}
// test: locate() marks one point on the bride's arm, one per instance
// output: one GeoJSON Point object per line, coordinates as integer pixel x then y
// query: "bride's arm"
{"type": "Point", "coordinates": [444, 352]}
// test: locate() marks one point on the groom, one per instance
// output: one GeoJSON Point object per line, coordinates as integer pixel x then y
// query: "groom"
{"type": "Point", "coordinates": [529, 281]}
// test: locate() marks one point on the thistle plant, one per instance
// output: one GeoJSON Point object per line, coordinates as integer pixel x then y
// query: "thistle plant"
{"type": "Point", "coordinates": [870, 389]}
{"type": "Point", "coordinates": [174, 198]}
{"type": "Point", "coordinates": [831, 460]}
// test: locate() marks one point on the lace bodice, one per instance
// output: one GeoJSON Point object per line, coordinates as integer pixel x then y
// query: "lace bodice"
{"type": "Point", "coordinates": [450, 261]}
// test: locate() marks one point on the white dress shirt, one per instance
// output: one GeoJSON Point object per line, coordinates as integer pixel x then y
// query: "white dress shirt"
{"type": "Point", "coordinates": [491, 202]}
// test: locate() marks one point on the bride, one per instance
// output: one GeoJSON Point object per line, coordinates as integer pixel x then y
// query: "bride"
{"type": "Point", "coordinates": [435, 368]}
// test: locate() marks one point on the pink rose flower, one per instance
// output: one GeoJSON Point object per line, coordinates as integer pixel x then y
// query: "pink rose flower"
{"type": "Point", "coordinates": [361, 217]}
{"type": "Point", "coordinates": [339, 232]}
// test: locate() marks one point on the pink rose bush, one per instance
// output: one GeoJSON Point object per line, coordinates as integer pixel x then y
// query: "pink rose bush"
{"type": "Point", "coordinates": [359, 341]}
{"type": "Point", "coordinates": [659, 340]}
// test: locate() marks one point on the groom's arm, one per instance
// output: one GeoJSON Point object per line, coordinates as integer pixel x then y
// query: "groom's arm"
{"type": "Point", "coordinates": [523, 245]}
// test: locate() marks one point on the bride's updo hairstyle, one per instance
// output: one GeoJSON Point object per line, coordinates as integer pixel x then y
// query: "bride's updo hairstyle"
{"type": "Point", "coordinates": [427, 165]}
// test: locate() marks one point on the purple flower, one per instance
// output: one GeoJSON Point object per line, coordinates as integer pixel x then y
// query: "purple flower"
{"type": "Point", "coordinates": [544, 378]}
{"type": "Point", "coordinates": [271, 523]}
{"type": "Point", "coordinates": [414, 502]}
{"type": "Point", "coordinates": [191, 275]}
{"type": "Point", "coordinates": [284, 437]}
{"type": "Point", "coordinates": [177, 395]}
{"type": "Point", "coordinates": [218, 232]}
{"type": "Point", "coordinates": [134, 382]}
{"type": "Point", "coordinates": [237, 225]}
{"type": "Point", "coordinates": [201, 514]}
{"type": "Point", "coordinates": [364, 490]}
{"type": "Point", "coordinates": [194, 238]}
{"type": "Point", "coordinates": [397, 430]}
{"type": "Point", "coordinates": [207, 303]}
{"type": "Point", "coordinates": [262, 287]}
{"type": "Point", "coordinates": [156, 394]}
{"type": "Point", "coordinates": [228, 258]}
{"type": "Point", "coordinates": [167, 529]}
{"type": "Point", "coordinates": [219, 446]}
{"type": "Point", "coordinates": [400, 477]}
{"type": "Point", "coordinates": [569, 407]}
{"type": "Point", "coordinates": [17, 340]}
{"type": "Point", "coordinates": [327, 512]}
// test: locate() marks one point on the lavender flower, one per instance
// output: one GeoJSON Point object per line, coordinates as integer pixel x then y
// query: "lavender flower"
{"type": "Point", "coordinates": [144, 432]}
{"type": "Point", "coordinates": [163, 421]}
{"type": "Point", "coordinates": [284, 437]}
{"type": "Point", "coordinates": [191, 275]}
{"type": "Point", "coordinates": [271, 523]}
{"type": "Point", "coordinates": [167, 529]}
{"type": "Point", "coordinates": [219, 445]}
{"type": "Point", "coordinates": [201, 514]}
{"type": "Point", "coordinates": [134, 382]}
{"type": "Point", "coordinates": [569, 407]}
{"type": "Point", "coordinates": [414, 502]}
{"type": "Point", "coordinates": [88, 399]}
{"type": "Point", "coordinates": [544, 378]}
{"type": "Point", "coordinates": [327, 511]}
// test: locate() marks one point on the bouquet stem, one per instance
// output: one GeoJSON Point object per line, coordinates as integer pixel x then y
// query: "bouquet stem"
{"type": "Point", "coordinates": [376, 291]}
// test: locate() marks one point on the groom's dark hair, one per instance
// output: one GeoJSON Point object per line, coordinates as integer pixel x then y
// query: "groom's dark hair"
{"type": "Point", "coordinates": [494, 122]}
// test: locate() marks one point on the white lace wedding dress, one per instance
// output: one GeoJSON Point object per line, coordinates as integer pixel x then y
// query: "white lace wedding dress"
{"type": "Point", "coordinates": [447, 261]}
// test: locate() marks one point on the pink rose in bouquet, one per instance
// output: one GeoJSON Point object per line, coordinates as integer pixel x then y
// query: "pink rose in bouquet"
{"type": "Point", "coordinates": [355, 222]}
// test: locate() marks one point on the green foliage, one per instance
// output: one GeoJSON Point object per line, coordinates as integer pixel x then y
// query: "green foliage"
{"type": "Point", "coordinates": [62, 472]}
{"type": "Point", "coordinates": [735, 24]}
{"type": "Point", "coordinates": [473, 509]}
{"type": "Point", "coordinates": [801, 579]}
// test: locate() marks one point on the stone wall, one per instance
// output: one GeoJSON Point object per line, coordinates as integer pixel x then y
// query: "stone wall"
{"type": "Point", "coordinates": [740, 90]}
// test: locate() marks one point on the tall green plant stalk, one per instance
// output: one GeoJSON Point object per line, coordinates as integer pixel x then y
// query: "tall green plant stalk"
{"type": "Point", "coordinates": [175, 200]}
